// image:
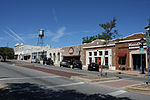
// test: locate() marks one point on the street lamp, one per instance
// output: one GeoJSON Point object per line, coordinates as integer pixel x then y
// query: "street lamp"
{"type": "Point", "coordinates": [148, 48]}
{"type": "Point", "coordinates": [141, 48]}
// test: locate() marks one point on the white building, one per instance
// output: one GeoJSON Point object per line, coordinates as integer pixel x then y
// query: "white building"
{"type": "Point", "coordinates": [55, 54]}
{"type": "Point", "coordinates": [26, 52]}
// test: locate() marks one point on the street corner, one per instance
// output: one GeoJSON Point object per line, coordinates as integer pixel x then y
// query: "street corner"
{"type": "Point", "coordinates": [139, 88]}
{"type": "Point", "coordinates": [119, 83]}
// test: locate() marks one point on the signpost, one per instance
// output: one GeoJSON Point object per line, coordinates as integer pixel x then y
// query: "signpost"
{"type": "Point", "coordinates": [148, 48]}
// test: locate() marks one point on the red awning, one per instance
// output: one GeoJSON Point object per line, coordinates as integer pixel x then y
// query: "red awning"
{"type": "Point", "coordinates": [122, 54]}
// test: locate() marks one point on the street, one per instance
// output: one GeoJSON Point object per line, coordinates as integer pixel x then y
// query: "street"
{"type": "Point", "coordinates": [27, 83]}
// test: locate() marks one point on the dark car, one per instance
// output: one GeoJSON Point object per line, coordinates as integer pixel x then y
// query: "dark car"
{"type": "Point", "coordinates": [77, 64]}
{"type": "Point", "coordinates": [93, 67]}
{"type": "Point", "coordinates": [65, 63]}
{"type": "Point", "coordinates": [50, 61]}
{"type": "Point", "coordinates": [44, 61]}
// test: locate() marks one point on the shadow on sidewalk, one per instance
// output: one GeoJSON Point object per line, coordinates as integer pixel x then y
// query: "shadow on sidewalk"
{"type": "Point", "coordinates": [27, 91]}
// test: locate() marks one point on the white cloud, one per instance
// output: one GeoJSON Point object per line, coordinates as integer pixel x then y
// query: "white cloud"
{"type": "Point", "coordinates": [15, 34]}
{"type": "Point", "coordinates": [12, 36]}
{"type": "Point", "coordinates": [1, 38]}
{"type": "Point", "coordinates": [54, 14]}
{"type": "Point", "coordinates": [59, 34]}
{"type": "Point", "coordinates": [49, 33]}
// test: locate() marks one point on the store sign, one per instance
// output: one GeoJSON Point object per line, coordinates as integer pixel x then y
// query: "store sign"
{"type": "Point", "coordinates": [136, 45]}
{"type": "Point", "coordinates": [71, 50]}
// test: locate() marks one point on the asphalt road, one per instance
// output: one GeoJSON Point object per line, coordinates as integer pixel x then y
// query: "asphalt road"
{"type": "Point", "coordinates": [26, 84]}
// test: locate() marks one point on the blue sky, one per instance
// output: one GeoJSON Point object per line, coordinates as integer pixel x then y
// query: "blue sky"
{"type": "Point", "coordinates": [66, 21]}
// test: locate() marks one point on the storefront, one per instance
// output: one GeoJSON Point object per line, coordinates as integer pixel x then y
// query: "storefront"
{"type": "Point", "coordinates": [121, 54]}
{"type": "Point", "coordinates": [55, 55]}
{"type": "Point", "coordinates": [101, 54]}
{"type": "Point", "coordinates": [128, 55]}
{"type": "Point", "coordinates": [72, 53]}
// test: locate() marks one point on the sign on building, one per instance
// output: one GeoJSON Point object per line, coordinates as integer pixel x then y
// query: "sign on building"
{"type": "Point", "coordinates": [148, 41]}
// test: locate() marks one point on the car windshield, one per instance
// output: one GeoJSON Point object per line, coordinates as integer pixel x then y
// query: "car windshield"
{"type": "Point", "coordinates": [64, 60]}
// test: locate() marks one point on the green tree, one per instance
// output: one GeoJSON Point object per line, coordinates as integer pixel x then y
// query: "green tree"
{"type": "Point", "coordinates": [6, 52]}
{"type": "Point", "coordinates": [108, 34]}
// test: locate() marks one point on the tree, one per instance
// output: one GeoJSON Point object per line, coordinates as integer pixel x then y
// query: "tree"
{"type": "Point", "coordinates": [108, 34]}
{"type": "Point", "coordinates": [6, 52]}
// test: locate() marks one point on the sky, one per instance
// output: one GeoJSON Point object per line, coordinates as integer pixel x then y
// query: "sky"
{"type": "Point", "coordinates": [66, 22]}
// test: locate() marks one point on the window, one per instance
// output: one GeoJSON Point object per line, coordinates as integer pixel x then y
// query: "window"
{"type": "Point", "coordinates": [90, 60]}
{"type": "Point", "coordinates": [95, 53]}
{"type": "Point", "coordinates": [106, 52]}
{"type": "Point", "coordinates": [58, 55]}
{"type": "Point", "coordinates": [90, 53]}
{"type": "Point", "coordinates": [106, 60]}
{"type": "Point", "coordinates": [100, 53]}
{"type": "Point", "coordinates": [122, 60]}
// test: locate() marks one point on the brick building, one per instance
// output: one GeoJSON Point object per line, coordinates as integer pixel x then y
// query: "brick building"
{"type": "Point", "coordinates": [118, 54]}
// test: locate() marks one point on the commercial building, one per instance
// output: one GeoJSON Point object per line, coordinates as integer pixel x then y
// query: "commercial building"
{"type": "Point", "coordinates": [26, 52]}
{"type": "Point", "coordinates": [55, 55]}
{"type": "Point", "coordinates": [120, 54]}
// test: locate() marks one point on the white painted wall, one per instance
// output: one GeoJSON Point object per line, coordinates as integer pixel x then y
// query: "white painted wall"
{"type": "Point", "coordinates": [102, 56]}
{"type": "Point", "coordinates": [56, 51]}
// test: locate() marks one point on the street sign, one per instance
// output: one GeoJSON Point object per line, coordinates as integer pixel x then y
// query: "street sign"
{"type": "Point", "coordinates": [148, 38]}
{"type": "Point", "coordinates": [141, 50]}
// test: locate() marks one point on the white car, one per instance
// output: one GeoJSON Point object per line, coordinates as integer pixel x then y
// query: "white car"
{"type": "Point", "coordinates": [35, 60]}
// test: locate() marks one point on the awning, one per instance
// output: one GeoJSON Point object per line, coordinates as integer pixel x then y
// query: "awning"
{"type": "Point", "coordinates": [122, 54]}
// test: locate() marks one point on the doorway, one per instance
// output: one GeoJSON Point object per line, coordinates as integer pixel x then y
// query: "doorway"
{"type": "Point", "coordinates": [98, 61]}
{"type": "Point", "coordinates": [137, 61]}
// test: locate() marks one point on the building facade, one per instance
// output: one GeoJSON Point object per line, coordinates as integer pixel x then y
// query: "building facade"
{"type": "Point", "coordinates": [118, 54]}
{"type": "Point", "coordinates": [55, 55]}
{"type": "Point", "coordinates": [26, 52]}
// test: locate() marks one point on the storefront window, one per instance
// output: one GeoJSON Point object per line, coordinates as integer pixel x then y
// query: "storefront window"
{"type": "Point", "coordinates": [90, 53]}
{"type": "Point", "coordinates": [90, 60]}
{"type": "Point", "coordinates": [106, 52]}
{"type": "Point", "coordinates": [95, 53]}
{"type": "Point", "coordinates": [106, 60]}
{"type": "Point", "coordinates": [100, 53]}
{"type": "Point", "coordinates": [58, 55]}
{"type": "Point", "coordinates": [122, 60]}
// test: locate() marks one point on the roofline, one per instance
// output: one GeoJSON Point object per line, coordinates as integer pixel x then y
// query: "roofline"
{"type": "Point", "coordinates": [109, 45]}
{"type": "Point", "coordinates": [113, 44]}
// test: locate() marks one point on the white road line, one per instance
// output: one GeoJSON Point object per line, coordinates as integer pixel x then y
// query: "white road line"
{"type": "Point", "coordinates": [22, 78]}
{"type": "Point", "coordinates": [65, 85]}
{"type": "Point", "coordinates": [116, 93]}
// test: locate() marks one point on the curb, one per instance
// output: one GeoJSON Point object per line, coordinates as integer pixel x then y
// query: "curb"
{"type": "Point", "coordinates": [92, 78]}
{"type": "Point", "coordinates": [120, 72]}
{"type": "Point", "coordinates": [138, 90]}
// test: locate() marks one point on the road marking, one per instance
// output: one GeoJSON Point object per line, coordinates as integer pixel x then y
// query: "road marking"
{"type": "Point", "coordinates": [7, 79]}
{"type": "Point", "coordinates": [116, 93]}
{"type": "Point", "coordinates": [65, 85]}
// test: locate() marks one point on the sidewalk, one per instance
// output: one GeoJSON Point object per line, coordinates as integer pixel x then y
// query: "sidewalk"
{"type": "Point", "coordinates": [131, 73]}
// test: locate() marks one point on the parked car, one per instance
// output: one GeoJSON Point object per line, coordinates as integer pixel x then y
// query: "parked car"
{"type": "Point", "coordinates": [44, 61]}
{"type": "Point", "coordinates": [34, 60]}
{"type": "Point", "coordinates": [93, 67]}
{"type": "Point", "coordinates": [77, 64]}
{"type": "Point", "coordinates": [50, 61]}
{"type": "Point", "coordinates": [65, 63]}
